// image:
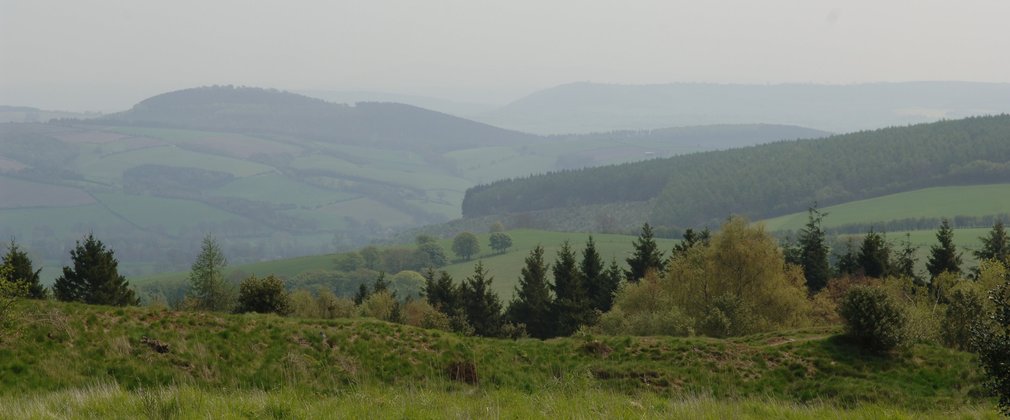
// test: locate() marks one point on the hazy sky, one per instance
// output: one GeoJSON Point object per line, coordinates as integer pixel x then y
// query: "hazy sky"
{"type": "Point", "coordinates": [106, 55]}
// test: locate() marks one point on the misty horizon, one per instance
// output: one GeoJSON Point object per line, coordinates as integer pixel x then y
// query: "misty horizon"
{"type": "Point", "coordinates": [107, 56]}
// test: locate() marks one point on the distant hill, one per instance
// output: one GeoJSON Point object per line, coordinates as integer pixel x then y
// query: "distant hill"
{"type": "Point", "coordinates": [263, 111]}
{"type": "Point", "coordinates": [771, 179]}
{"type": "Point", "coordinates": [275, 174]}
{"type": "Point", "coordinates": [27, 114]}
{"type": "Point", "coordinates": [350, 97]}
{"type": "Point", "coordinates": [589, 107]}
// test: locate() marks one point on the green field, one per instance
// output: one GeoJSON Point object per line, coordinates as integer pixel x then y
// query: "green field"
{"type": "Point", "coordinates": [505, 267]}
{"type": "Point", "coordinates": [110, 169]}
{"type": "Point", "coordinates": [93, 361]}
{"type": "Point", "coordinates": [163, 214]}
{"type": "Point", "coordinates": [974, 200]}
{"type": "Point", "coordinates": [282, 190]}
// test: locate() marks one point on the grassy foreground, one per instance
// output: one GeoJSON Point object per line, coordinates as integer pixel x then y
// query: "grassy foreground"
{"type": "Point", "coordinates": [209, 364]}
{"type": "Point", "coordinates": [112, 401]}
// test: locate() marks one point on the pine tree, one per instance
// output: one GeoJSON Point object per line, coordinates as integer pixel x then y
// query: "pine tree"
{"type": "Point", "coordinates": [381, 284]}
{"type": "Point", "coordinates": [944, 256]}
{"type": "Point", "coordinates": [592, 270]}
{"type": "Point", "coordinates": [362, 295]}
{"type": "Point", "coordinates": [206, 278]}
{"type": "Point", "coordinates": [441, 293]}
{"type": "Point", "coordinates": [20, 270]}
{"type": "Point", "coordinates": [532, 303]}
{"type": "Point", "coordinates": [814, 252]}
{"type": "Point", "coordinates": [610, 282]}
{"type": "Point", "coordinates": [647, 256]}
{"type": "Point", "coordinates": [905, 259]}
{"type": "Point", "coordinates": [572, 306]}
{"type": "Point", "coordinates": [94, 278]}
{"type": "Point", "coordinates": [848, 263]}
{"type": "Point", "coordinates": [481, 304]}
{"type": "Point", "coordinates": [690, 240]}
{"type": "Point", "coordinates": [996, 246]}
{"type": "Point", "coordinates": [875, 255]}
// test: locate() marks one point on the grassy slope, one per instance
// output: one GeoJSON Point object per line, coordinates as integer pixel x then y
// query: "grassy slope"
{"type": "Point", "coordinates": [974, 200]}
{"type": "Point", "coordinates": [504, 267]}
{"type": "Point", "coordinates": [66, 346]}
{"type": "Point", "coordinates": [110, 400]}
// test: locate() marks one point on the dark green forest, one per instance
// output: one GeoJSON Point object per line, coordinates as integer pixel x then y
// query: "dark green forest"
{"type": "Point", "coordinates": [771, 179]}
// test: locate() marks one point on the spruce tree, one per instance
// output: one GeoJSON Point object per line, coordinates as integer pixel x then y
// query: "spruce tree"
{"type": "Point", "coordinates": [441, 293]}
{"type": "Point", "coordinates": [532, 302]}
{"type": "Point", "coordinates": [362, 295]}
{"type": "Point", "coordinates": [944, 257]}
{"type": "Point", "coordinates": [481, 304]}
{"type": "Point", "coordinates": [610, 282]}
{"type": "Point", "coordinates": [592, 269]}
{"type": "Point", "coordinates": [905, 259]}
{"type": "Point", "coordinates": [690, 240]}
{"type": "Point", "coordinates": [813, 252]}
{"type": "Point", "coordinates": [206, 278]}
{"type": "Point", "coordinates": [875, 255]}
{"type": "Point", "coordinates": [94, 278]}
{"type": "Point", "coordinates": [995, 246]}
{"type": "Point", "coordinates": [647, 256]}
{"type": "Point", "coordinates": [848, 263]}
{"type": "Point", "coordinates": [20, 270]}
{"type": "Point", "coordinates": [572, 306]}
{"type": "Point", "coordinates": [381, 284]}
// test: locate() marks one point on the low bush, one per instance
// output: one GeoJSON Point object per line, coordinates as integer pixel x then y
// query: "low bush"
{"type": "Point", "coordinates": [873, 319]}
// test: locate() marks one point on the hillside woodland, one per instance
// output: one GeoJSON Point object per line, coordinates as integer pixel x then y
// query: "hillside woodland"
{"type": "Point", "coordinates": [772, 179]}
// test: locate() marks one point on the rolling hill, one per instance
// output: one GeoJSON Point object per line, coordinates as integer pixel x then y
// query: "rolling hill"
{"type": "Point", "coordinates": [275, 174]}
{"type": "Point", "coordinates": [769, 180]}
{"type": "Point", "coordinates": [587, 107]}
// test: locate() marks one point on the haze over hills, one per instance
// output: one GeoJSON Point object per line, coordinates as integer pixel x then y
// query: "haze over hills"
{"type": "Point", "coordinates": [586, 107]}
{"type": "Point", "coordinates": [276, 174]}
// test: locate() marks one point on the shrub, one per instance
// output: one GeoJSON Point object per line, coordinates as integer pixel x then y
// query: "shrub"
{"type": "Point", "coordinates": [416, 311]}
{"type": "Point", "coordinates": [303, 304]}
{"type": "Point", "coordinates": [727, 316]}
{"type": "Point", "coordinates": [264, 295]}
{"type": "Point", "coordinates": [991, 340]}
{"type": "Point", "coordinates": [963, 312]}
{"type": "Point", "coordinates": [331, 306]}
{"type": "Point", "coordinates": [381, 305]}
{"type": "Point", "coordinates": [437, 321]}
{"type": "Point", "coordinates": [873, 319]}
{"type": "Point", "coordinates": [671, 322]}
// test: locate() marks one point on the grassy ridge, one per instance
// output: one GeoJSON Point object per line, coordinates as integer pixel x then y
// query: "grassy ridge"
{"type": "Point", "coordinates": [68, 346]}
